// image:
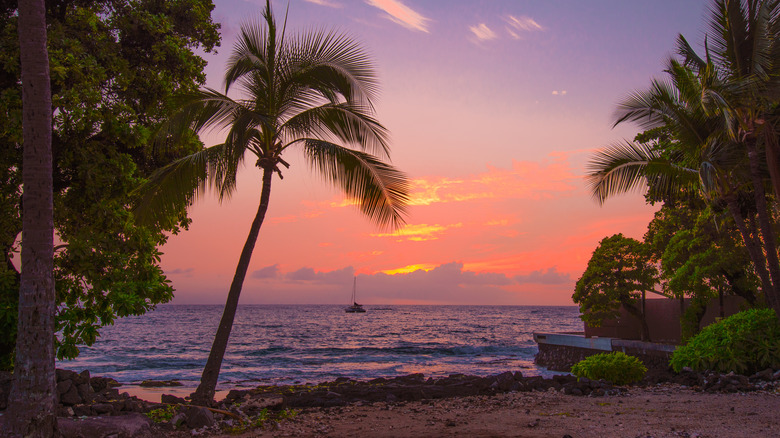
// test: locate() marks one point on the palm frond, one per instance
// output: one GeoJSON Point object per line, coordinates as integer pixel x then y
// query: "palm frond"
{"type": "Point", "coordinates": [173, 188]}
{"type": "Point", "coordinates": [250, 56]}
{"type": "Point", "coordinates": [381, 190]}
{"type": "Point", "coordinates": [333, 64]}
{"type": "Point", "coordinates": [690, 57]}
{"type": "Point", "coordinates": [626, 167]}
{"type": "Point", "coordinates": [199, 110]}
{"type": "Point", "coordinates": [342, 122]}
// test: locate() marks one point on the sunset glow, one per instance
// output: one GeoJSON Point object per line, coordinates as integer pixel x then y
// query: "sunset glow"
{"type": "Point", "coordinates": [494, 108]}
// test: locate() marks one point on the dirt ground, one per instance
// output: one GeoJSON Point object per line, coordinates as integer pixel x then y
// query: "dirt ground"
{"type": "Point", "coordinates": [662, 411]}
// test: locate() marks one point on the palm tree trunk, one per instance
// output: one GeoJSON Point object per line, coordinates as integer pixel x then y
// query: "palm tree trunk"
{"type": "Point", "coordinates": [32, 400]}
{"type": "Point", "coordinates": [765, 224]}
{"type": "Point", "coordinates": [752, 246]}
{"type": "Point", "coordinates": [204, 395]}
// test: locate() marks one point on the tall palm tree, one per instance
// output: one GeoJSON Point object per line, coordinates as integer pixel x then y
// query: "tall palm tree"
{"type": "Point", "coordinates": [32, 400]}
{"type": "Point", "coordinates": [312, 92]}
{"type": "Point", "coordinates": [744, 44]}
{"type": "Point", "coordinates": [721, 111]}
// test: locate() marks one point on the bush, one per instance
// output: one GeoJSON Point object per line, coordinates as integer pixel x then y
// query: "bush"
{"type": "Point", "coordinates": [616, 367]}
{"type": "Point", "coordinates": [745, 343]}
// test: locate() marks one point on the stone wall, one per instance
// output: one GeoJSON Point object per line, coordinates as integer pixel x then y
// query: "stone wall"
{"type": "Point", "coordinates": [557, 357]}
{"type": "Point", "coordinates": [561, 357]}
{"type": "Point", "coordinates": [663, 319]}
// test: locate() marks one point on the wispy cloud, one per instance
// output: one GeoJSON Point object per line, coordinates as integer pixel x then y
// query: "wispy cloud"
{"type": "Point", "coordinates": [559, 92]}
{"type": "Point", "coordinates": [339, 276]}
{"type": "Point", "coordinates": [401, 14]}
{"type": "Point", "coordinates": [419, 232]}
{"type": "Point", "coordinates": [267, 272]}
{"type": "Point", "coordinates": [516, 26]}
{"type": "Point", "coordinates": [551, 276]}
{"type": "Point", "coordinates": [326, 3]}
{"type": "Point", "coordinates": [482, 32]}
{"type": "Point", "coordinates": [178, 271]}
{"type": "Point", "coordinates": [526, 179]}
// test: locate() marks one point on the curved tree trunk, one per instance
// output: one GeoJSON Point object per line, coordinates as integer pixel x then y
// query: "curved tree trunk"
{"type": "Point", "coordinates": [751, 244]}
{"type": "Point", "coordinates": [204, 395]}
{"type": "Point", "coordinates": [32, 400]}
{"type": "Point", "coordinates": [765, 224]}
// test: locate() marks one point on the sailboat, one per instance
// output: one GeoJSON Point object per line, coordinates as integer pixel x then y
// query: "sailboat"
{"type": "Point", "coordinates": [355, 307]}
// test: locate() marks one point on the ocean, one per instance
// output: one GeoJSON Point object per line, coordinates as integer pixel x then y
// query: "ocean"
{"type": "Point", "coordinates": [286, 344]}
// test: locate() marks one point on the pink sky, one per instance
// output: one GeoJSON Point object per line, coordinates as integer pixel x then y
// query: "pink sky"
{"type": "Point", "coordinates": [494, 108]}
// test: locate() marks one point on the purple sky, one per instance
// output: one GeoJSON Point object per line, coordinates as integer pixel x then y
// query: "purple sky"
{"type": "Point", "coordinates": [494, 108]}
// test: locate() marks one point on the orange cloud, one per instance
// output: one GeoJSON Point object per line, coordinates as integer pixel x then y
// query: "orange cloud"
{"type": "Point", "coordinates": [524, 180]}
{"type": "Point", "coordinates": [410, 268]}
{"type": "Point", "coordinates": [419, 232]}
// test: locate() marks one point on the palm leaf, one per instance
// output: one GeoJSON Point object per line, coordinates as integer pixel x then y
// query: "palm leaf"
{"type": "Point", "coordinates": [381, 190]}
{"type": "Point", "coordinates": [342, 122]}
{"type": "Point", "coordinates": [626, 167]}
{"type": "Point", "coordinates": [173, 188]}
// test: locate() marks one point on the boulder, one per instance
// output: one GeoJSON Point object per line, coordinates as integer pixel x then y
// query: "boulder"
{"type": "Point", "coordinates": [101, 383]}
{"type": "Point", "coordinates": [172, 399]}
{"type": "Point", "coordinates": [197, 417]}
{"type": "Point", "coordinates": [103, 408]}
{"type": "Point", "coordinates": [71, 397]}
{"type": "Point", "coordinates": [65, 374]}
{"type": "Point", "coordinates": [85, 391]}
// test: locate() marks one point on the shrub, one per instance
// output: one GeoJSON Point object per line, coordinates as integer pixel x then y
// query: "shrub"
{"type": "Point", "coordinates": [163, 414]}
{"type": "Point", "coordinates": [745, 343]}
{"type": "Point", "coordinates": [616, 367]}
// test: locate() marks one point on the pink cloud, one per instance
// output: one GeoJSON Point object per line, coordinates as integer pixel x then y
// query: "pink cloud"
{"type": "Point", "coordinates": [401, 14]}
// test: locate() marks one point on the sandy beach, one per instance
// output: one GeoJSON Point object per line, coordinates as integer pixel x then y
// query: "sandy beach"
{"type": "Point", "coordinates": [665, 410]}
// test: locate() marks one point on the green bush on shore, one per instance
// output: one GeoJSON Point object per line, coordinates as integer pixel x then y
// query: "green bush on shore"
{"type": "Point", "coordinates": [745, 343]}
{"type": "Point", "coordinates": [616, 367]}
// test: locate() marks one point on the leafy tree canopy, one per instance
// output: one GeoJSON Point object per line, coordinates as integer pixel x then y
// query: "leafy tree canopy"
{"type": "Point", "coordinates": [619, 270]}
{"type": "Point", "coordinates": [116, 66]}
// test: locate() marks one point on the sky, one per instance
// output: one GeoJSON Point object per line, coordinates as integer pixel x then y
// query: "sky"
{"type": "Point", "coordinates": [494, 109]}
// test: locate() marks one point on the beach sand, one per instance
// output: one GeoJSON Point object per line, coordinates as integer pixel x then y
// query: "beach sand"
{"type": "Point", "coordinates": [659, 411]}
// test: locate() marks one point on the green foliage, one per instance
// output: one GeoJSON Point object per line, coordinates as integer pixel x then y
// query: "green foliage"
{"type": "Point", "coordinates": [261, 419]}
{"type": "Point", "coordinates": [745, 343]}
{"type": "Point", "coordinates": [616, 367]}
{"type": "Point", "coordinates": [116, 67]}
{"type": "Point", "coordinates": [287, 414]}
{"type": "Point", "coordinates": [700, 252]}
{"type": "Point", "coordinates": [691, 318]}
{"type": "Point", "coordinates": [163, 414]}
{"type": "Point", "coordinates": [617, 273]}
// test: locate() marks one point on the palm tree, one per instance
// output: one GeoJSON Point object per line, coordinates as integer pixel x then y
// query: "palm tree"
{"type": "Point", "coordinates": [312, 92]}
{"type": "Point", "coordinates": [32, 400]}
{"type": "Point", "coordinates": [745, 47]}
{"type": "Point", "coordinates": [721, 114]}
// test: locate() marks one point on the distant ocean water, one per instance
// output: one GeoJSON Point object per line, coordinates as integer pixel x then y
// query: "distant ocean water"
{"type": "Point", "coordinates": [281, 344]}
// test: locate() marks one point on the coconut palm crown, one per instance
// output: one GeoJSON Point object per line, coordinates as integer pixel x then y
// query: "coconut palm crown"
{"type": "Point", "coordinates": [313, 92]}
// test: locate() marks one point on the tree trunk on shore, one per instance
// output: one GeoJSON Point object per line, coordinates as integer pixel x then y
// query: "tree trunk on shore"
{"type": "Point", "coordinates": [204, 394]}
{"type": "Point", "coordinates": [31, 404]}
{"type": "Point", "coordinates": [765, 224]}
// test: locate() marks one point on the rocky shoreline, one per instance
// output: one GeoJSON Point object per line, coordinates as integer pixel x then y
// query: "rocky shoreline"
{"type": "Point", "coordinates": [82, 396]}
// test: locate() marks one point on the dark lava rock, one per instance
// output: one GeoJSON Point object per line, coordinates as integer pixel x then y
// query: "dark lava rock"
{"type": "Point", "coordinates": [159, 383]}
{"type": "Point", "coordinates": [197, 417]}
{"type": "Point", "coordinates": [102, 383]}
{"type": "Point", "coordinates": [71, 396]}
{"type": "Point", "coordinates": [172, 399]}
